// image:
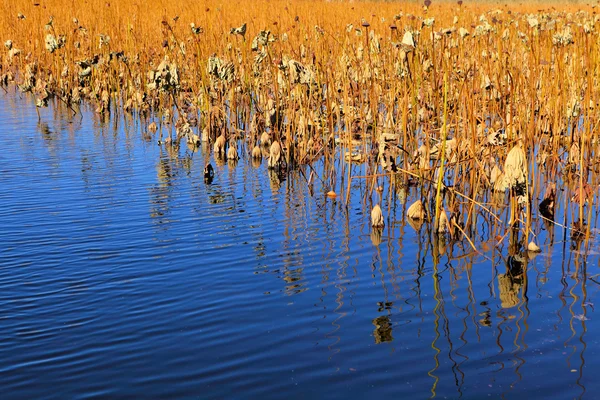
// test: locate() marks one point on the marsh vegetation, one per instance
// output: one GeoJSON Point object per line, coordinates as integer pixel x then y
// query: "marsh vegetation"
{"type": "Point", "coordinates": [485, 111]}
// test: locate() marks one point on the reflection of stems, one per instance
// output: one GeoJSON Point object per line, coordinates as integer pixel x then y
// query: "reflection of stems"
{"type": "Point", "coordinates": [420, 273]}
{"type": "Point", "coordinates": [455, 367]}
{"type": "Point", "coordinates": [499, 337]}
{"type": "Point", "coordinates": [436, 288]}
{"type": "Point", "coordinates": [464, 341]}
{"type": "Point", "coordinates": [583, 326]}
{"type": "Point", "coordinates": [522, 317]}
{"type": "Point", "coordinates": [472, 300]}
{"type": "Point", "coordinates": [571, 311]}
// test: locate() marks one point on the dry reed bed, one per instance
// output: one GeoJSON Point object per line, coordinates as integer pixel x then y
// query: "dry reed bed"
{"type": "Point", "coordinates": [462, 100]}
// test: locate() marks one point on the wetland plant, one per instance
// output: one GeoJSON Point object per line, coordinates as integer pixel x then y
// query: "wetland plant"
{"type": "Point", "coordinates": [462, 104]}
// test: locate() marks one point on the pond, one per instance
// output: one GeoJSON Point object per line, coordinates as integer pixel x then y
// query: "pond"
{"type": "Point", "coordinates": [124, 274]}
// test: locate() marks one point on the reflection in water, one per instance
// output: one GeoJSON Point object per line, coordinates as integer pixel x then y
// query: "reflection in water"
{"type": "Point", "coordinates": [167, 170]}
{"type": "Point", "coordinates": [87, 168]}
{"type": "Point", "coordinates": [439, 242]}
{"type": "Point", "coordinates": [416, 224]}
{"type": "Point", "coordinates": [511, 282]}
{"type": "Point", "coordinates": [376, 236]}
{"type": "Point", "coordinates": [164, 171]}
{"type": "Point", "coordinates": [294, 281]}
{"type": "Point", "coordinates": [209, 174]}
{"type": "Point", "coordinates": [187, 163]}
{"type": "Point", "coordinates": [220, 160]}
{"type": "Point", "coordinates": [383, 329]}
{"type": "Point", "coordinates": [275, 180]}
{"type": "Point", "coordinates": [192, 148]}
{"type": "Point", "coordinates": [44, 129]}
{"type": "Point", "coordinates": [232, 163]}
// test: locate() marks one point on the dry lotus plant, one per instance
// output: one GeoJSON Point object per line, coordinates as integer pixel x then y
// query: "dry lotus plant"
{"type": "Point", "coordinates": [534, 248]}
{"type": "Point", "coordinates": [265, 139]}
{"type": "Point", "coordinates": [275, 155]}
{"type": "Point", "coordinates": [546, 206]}
{"type": "Point", "coordinates": [377, 220]}
{"type": "Point", "coordinates": [417, 211]}
{"type": "Point", "coordinates": [422, 157]}
{"type": "Point", "coordinates": [256, 153]}
{"type": "Point", "coordinates": [232, 153]}
{"type": "Point", "coordinates": [495, 175]}
{"type": "Point", "coordinates": [574, 154]}
{"type": "Point", "coordinates": [193, 139]}
{"type": "Point", "coordinates": [443, 223]}
{"type": "Point", "coordinates": [500, 184]}
{"type": "Point", "coordinates": [219, 146]}
{"type": "Point", "coordinates": [582, 193]}
{"type": "Point", "coordinates": [515, 167]}
{"type": "Point", "coordinates": [451, 146]}
{"type": "Point", "coordinates": [239, 31]}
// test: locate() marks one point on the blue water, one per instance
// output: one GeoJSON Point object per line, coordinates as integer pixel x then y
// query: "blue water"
{"type": "Point", "coordinates": [124, 275]}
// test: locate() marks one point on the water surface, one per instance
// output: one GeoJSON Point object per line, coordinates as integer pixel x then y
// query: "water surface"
{"type": "Point", "coordinates": [123, 274]}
